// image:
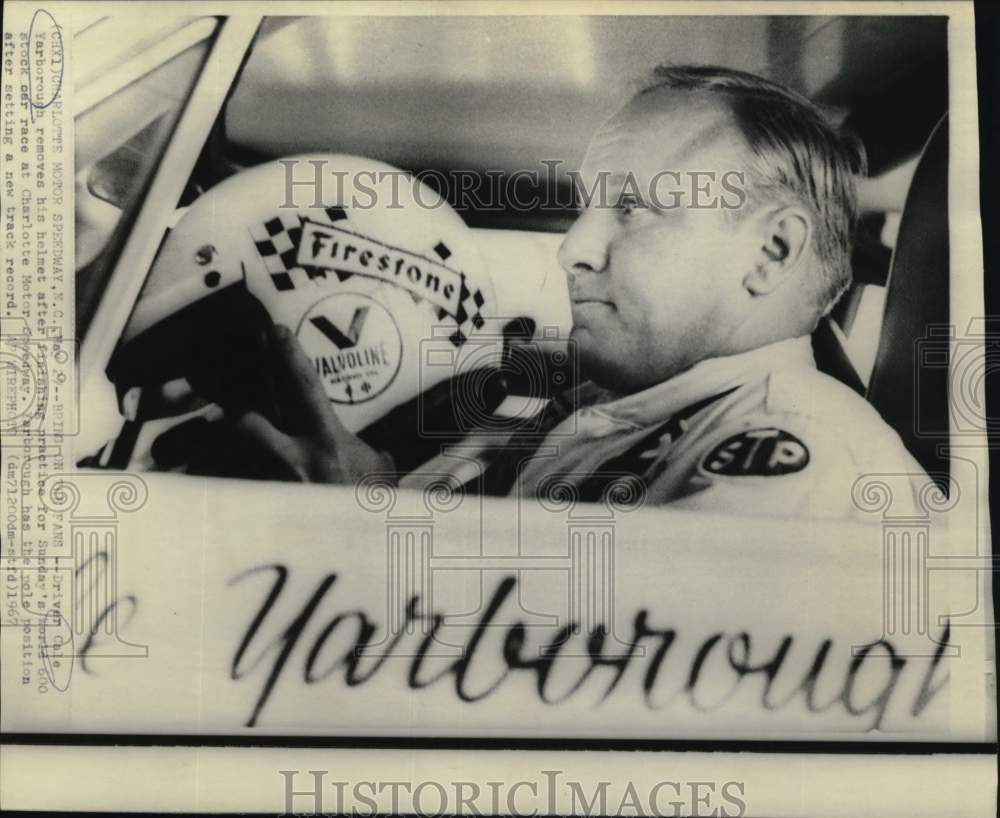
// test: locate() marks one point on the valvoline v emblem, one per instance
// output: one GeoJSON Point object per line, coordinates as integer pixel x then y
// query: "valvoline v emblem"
{"type": "Point", "coordinates": [354, 344]}
{"type": "Point", "coordinates": [331, 331]}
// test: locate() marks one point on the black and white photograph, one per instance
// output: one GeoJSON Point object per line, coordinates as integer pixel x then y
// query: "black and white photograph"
{"type": "Point", "coordinates": [498, 408]}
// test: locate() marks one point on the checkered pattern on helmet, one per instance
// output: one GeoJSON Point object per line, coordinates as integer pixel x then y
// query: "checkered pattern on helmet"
{"type": "Point", "coordinates": [277, 242]}
{"type": "Point", "coordinates": [468, 316]}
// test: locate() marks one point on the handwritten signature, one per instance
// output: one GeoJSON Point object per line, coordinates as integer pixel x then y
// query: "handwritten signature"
{"type": "Point", "coordinates": [743, 659]}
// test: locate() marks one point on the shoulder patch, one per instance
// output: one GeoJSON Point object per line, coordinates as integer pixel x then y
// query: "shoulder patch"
{"type": "Point", "coordinates": [757, 453]}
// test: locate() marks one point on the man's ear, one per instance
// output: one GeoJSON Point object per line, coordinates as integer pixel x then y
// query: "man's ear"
{"type": "Point", "coordinates": [784, 239]}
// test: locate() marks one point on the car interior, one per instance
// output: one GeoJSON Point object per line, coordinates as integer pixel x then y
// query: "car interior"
{"type": "Point", "coordinates": [491, 95]}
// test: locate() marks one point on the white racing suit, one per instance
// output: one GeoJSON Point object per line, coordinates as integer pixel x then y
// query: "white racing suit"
{"type": "Point", "coordinates": [762, 432]}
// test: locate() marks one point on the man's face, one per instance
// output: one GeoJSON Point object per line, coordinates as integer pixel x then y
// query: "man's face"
{"type": "Point", "coordinates": [656, 289]}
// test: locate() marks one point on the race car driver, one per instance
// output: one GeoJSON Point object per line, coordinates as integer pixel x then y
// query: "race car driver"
{"type": "Point", "coordinates": [691, 319]}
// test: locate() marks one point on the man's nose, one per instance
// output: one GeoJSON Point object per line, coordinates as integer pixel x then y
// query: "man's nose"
{"type": "Point", "coordinates": [585, 247]}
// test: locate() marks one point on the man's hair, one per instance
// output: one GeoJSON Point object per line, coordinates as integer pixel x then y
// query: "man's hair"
{"type": "Point", "coordinates": [795, 153]}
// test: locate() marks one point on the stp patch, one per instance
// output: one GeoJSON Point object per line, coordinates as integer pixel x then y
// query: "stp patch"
{"type": "Point", "coordinates": [757, 453]}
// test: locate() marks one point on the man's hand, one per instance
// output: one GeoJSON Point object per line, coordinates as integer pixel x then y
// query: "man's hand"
{"type": "Point", "coordinates": [302, 440]}
{"type": "Point", "coordinates": [276, 422]}
{"type": "Point", "coordinates": [318, 449]}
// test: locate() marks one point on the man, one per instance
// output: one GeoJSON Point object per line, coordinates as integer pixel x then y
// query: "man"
{"type": "Point", "coordinates": [692, 311]}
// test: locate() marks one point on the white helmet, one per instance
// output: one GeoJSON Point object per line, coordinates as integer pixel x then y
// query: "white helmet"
{"type": "Point", "coordinates": [376, 274]}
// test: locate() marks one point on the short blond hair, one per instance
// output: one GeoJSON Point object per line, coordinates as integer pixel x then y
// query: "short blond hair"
{"type": "Point", "coordinates": [795, 153]}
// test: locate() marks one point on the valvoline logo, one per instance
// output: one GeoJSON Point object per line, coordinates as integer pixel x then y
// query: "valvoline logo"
{"type": "Point", "coordinates": [355, 345]}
